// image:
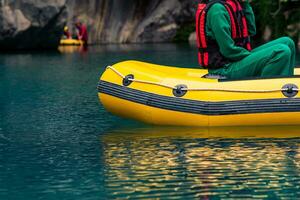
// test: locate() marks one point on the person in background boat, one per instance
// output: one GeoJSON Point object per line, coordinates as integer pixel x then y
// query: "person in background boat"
{"type": "Point", "coordinates": [228, 51]}
{"type": "Point", "coordinates": [67, 34]}
{"type": "Point", "coordinates": [82, 33]}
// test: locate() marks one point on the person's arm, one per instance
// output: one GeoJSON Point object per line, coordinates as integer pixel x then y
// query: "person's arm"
{"type": "Point", "coordinates": [219, 22]}
{"type": "Point", "coordinates": [250, 17]}
{"type": "Point", "coordinates": [79, 36]}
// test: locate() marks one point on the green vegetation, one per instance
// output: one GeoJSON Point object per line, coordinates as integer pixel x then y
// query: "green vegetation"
{"type": "Point", "coordinates": [274, 18]}
{"type": "Point", "coordinates": [277, 18]}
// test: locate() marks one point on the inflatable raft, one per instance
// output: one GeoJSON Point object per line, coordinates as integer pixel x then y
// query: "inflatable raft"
{"type": "Point", "coordinates": [71, 42]}
{"type": "Point", "coordinates": [165, 95]}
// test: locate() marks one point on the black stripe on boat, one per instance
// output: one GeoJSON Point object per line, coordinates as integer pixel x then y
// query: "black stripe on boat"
{"type": "Point", "coordinates": [200, 107]}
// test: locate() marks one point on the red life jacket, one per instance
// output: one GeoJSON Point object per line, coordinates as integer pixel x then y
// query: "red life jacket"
{"type": "Point", "coordinates": [209, 54]}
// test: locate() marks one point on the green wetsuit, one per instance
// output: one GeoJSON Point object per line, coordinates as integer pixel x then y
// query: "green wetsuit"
{"type": "Point", "coordinates": [276, 58]}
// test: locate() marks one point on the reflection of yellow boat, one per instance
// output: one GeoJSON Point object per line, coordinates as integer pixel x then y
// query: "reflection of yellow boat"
{"type": "Point", "coordinates": [179, 96]}
{"type": "Point", "coordinates": [206, 132]}
{"type": "Point", "coordinates": [68, 49]}
{"type": "Point", "coordinates": [157, 163]}
{"type": "Point", "coordinates": [71, 42]}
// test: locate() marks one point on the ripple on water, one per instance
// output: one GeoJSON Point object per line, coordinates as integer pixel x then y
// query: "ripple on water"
{"type": "Point", "coordinates": [174, 168]}
{"type": "Point", "coordinates": [51, 119]}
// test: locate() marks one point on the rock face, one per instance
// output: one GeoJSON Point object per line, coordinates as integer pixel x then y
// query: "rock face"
{"type": "Point", "coordinates": [116, 21]}
{"type": "Point", "coordinates": [31, 24]}
{"type": "Point", "coordinates": [193, 38]}
{"type": "Point", "coordinates": [38, 24]}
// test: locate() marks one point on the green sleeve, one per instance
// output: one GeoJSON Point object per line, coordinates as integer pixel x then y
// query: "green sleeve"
{"type": "Point", "coordinates": [250, 18]}
{"type": "Point", "coordinates": [219, 28]}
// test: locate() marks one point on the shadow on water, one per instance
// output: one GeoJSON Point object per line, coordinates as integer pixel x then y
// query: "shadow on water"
{"type": "Point", "coordinates": [210, 163]}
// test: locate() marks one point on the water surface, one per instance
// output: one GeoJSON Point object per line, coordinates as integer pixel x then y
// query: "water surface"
{"type": "Point", "coordinates": [57, 141]}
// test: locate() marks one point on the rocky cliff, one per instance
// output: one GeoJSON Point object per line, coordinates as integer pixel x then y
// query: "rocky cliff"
{"type": "Point", "coordinates": [38, 24]}
{"type": "Point", "coordinates": [35, 24]}
{"type": "Point", "coordinates": [31, 24]}
{"type": "Point", "coordinates": [117, 21]}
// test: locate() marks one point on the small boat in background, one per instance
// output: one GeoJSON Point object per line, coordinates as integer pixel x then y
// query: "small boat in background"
{"type": "Point", "coordinates": [165, 95]}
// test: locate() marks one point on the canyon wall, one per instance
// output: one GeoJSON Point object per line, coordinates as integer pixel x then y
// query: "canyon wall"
{"type": "Point", "coordinates": [119, 21]}
{"type": "Point", "coordinates": [38, 24]}
{"type": "Point", "coordinates": [31, 24]}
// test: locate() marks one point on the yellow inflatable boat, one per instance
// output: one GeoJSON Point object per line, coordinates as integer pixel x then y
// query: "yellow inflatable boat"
{"type": "Point", "coordinates": [165, 95]}
{"type": "Point", "coordinates": [71, 42]}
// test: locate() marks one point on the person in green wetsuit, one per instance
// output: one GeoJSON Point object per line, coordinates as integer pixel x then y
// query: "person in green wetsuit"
{"type": "Point", "coordinates": [276, 58]}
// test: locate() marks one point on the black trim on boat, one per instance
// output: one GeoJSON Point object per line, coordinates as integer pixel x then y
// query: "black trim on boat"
{"type": "Point", "coordinates": [200, 107]}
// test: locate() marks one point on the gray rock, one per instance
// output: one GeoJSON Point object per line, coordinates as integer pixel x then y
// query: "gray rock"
{"type": "Point", "coordinates": [193, 39]}
{"type": "Point", "coordinates": [31, 24]}
{"type": "Point", "coordinates": [131, 21]}
{"type": "Point", "coordinates": [38, 24]}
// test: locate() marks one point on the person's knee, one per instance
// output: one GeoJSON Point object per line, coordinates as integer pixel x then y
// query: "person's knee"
{"type": "Point", "coordinates": [283, 51]}
{"type": "Point", "coordinates": [288, 41]}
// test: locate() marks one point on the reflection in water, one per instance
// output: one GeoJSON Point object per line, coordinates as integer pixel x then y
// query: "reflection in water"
{"type": "Point", "coordinates": [201, 163]}
{"type": "Point", "coordinates": [73, 49]}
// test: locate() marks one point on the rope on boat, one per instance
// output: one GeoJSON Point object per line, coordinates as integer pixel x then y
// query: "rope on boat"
{"type": "Point", "coordinates": [140, 81]}
{"type": "Point", "coordinates": [116, 71]}
{"type": "Point", "coordinates": [202, 89]}
{"type": "Point", "coordinates": [234, 90]}
{"type": "Point", "coordinates": [152, 83]}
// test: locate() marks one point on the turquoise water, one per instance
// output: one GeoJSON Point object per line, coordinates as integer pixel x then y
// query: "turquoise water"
{"type": "Point", "coordinates": [57, 141]}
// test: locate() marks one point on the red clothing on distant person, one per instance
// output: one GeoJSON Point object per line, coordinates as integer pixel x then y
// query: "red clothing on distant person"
{"type": "Point", "coordinates": [82, 33]}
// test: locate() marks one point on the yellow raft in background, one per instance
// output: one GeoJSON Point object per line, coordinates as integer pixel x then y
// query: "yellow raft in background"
{"type": "Point", "coordinates": [164, 95]}
{"type": "Point", "coordinates": [71, 42]}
